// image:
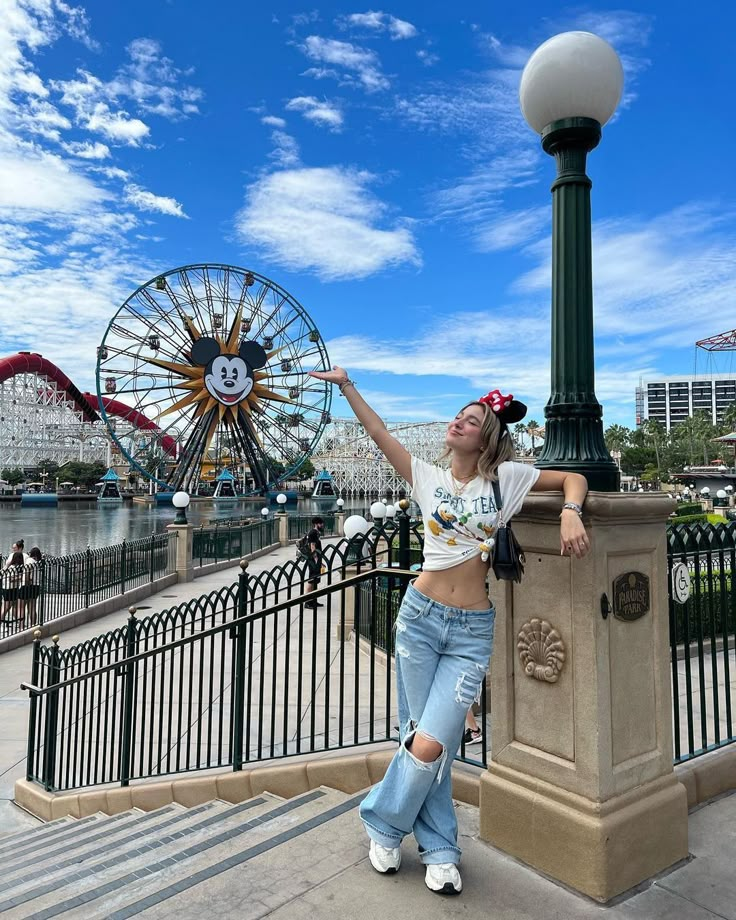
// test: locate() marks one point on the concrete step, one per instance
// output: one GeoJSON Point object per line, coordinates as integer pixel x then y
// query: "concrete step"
{"type": "Point", "coordinates": [97, 839]}
{"type": "Point", "coordinates": [160, 844]}
{"type": "Point", "coordinates": [256, 880]}
{"type": "Point", "coordinates": [8, 842]}
{"type": "Point", "coordinates": [160, 868]}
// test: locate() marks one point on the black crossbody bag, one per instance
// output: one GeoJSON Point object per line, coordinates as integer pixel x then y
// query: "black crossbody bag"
{"type": "Point", "coordinates": [508, 557]}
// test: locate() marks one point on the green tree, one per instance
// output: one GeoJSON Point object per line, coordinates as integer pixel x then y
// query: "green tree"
{"type": "Point", "coordinates": [13, 476]}
{"type": "Point", "coordinates": [520, 430]}
{"type": "Point", "coordinates": [617, 437]}
{"type": "Point", "coordinates": [532, 429]}
{"type": "Point", "coordinates": [306, 470]}
{"type": "Point", "coordinates": [729, 419]}
{"type": "Point", "coordinates": [655, 435]}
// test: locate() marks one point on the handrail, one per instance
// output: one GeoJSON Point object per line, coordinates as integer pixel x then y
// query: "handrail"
{"type": "Point", "coordinates": [213, 630]}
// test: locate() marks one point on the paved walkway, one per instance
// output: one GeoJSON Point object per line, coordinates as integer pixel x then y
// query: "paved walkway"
{"type": "Point", "coordinates": [15, 667]}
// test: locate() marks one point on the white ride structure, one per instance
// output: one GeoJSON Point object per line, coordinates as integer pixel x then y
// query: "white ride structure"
{"type": "Point", "coordinates": [44, 417]}
{"type": "Point", "coordinates": [359, 469]}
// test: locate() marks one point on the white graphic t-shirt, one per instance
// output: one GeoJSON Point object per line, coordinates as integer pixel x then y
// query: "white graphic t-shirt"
{"type": "Point", "coordinates": [456, 525]}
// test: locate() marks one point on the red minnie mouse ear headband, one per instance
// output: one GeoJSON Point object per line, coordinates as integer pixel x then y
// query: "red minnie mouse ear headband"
{"type": "Point", "coordinates": [506, 408]}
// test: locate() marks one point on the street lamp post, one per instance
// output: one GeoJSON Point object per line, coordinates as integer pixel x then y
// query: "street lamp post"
{"type": "Point", "coordinates": [570, 87]}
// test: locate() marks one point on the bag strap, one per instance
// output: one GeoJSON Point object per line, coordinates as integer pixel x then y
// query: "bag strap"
{"type": "Point", "coordinates": [497, 497]}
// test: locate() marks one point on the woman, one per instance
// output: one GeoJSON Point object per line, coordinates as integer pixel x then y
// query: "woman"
{"type": "Point", "coordinates": [32, 589]}
{"type": "Point", "coordinates": [13, 576]}
{"type": "Point", "coordinates": [444, 629]}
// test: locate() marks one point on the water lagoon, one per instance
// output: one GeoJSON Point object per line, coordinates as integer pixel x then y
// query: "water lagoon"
{"type": "Point", "coordinates": [72, 526]}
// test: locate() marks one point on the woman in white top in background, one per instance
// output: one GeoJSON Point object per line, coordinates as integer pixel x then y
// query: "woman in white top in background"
{"type": "Point", "coordinates": [444, 629]}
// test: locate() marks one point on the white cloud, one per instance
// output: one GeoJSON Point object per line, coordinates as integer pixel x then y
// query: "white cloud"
{"type": "Point", "coordinates": [378, 21]}
{"type": "Point", "coordinates": [85, 96]}
{"type": "Point", "coordinates": [512, 228]}
{"type": "Point", "coordinates": [273, 121]}
{"type": "Point", "coordinates": [428, 58]}
{"type": "Point", "coordinates": [147, 201]}
{"type": "Point", "coordinates": [86, 150]}
{"type": "Point", "coordinates": [44, 184]}
{"type": "Point", "coordinates": [351, 58]}
{"type": "Point", "coordinates": [325, 221]}
{"type": "Point", "coordinates": [657, 276]}
{"type": "Point", "coordinates": [149, 81]}
{"type": "Point", "coordinates": [319, 111]}
{"type": "Point", "coordinates": [285, 149]}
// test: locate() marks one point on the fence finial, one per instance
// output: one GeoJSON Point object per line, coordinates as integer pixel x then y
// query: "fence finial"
{"type": "Point", "coordinates": [37, 634]}
{"type": "Point", "coordinates": [55, 640]}
{"type": "Point", "coordinates": [404, 504]}
{"type": "Point", "coordinates": [132, 611]}
{"type": "Point", "coordinates": [243, 564]}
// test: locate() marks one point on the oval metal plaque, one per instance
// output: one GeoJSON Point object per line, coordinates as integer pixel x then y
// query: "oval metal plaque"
{"type": "Point", "coordinates": [631, 596]}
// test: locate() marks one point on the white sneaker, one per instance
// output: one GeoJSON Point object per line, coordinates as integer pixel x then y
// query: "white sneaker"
{"type": "Point", "coordinates": [443, 879]}
{"type": "Point", "coordinates": [384, 859]}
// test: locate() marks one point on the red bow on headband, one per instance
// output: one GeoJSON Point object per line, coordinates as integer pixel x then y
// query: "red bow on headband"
{"type": "Point", "coordinates": [496, 400]}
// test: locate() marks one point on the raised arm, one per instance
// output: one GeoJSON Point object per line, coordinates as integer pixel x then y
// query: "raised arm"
{"type": "Point", "coordinates": [396, 454]}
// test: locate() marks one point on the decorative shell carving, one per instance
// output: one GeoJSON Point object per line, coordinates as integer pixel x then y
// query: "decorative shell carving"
{"type": "Point", "coordinates": [541, 650]}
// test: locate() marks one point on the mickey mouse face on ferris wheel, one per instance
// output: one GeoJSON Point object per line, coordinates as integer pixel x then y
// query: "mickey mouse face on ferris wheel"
{"type": "Point", "coordinates": [228, 378]}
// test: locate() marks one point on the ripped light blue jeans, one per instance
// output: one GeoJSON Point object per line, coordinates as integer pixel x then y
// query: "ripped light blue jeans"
{"type": "Point", "coordinates": [442, 655]}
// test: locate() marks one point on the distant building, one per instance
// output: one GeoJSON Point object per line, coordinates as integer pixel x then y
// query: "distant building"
{"type": "Point", "coordinates": [670, 400]}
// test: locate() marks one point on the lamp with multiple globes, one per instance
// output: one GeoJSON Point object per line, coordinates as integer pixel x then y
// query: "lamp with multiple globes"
{"type": "Point", "coordinates": [180, 500]}
{"type": "Point", "coordinates": [570, 87]}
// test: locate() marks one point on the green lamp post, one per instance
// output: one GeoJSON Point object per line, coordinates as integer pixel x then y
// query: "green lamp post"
{"type": "Point", "coordinates": [570, 87]}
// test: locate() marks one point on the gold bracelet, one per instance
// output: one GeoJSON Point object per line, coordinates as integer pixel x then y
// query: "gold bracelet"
{"type": "Point", "coordinates": [346, 383]}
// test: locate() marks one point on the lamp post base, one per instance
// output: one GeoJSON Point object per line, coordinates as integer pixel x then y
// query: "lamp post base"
{"type": "Point", "coordinates": [574, 442]}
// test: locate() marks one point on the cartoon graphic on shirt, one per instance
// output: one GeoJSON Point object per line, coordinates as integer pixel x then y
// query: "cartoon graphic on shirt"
{"type": "Point", "coordinates": [450, 518]}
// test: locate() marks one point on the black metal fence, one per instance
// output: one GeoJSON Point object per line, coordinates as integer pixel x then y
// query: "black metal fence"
{"type": "Point", "coordinates": [43, 591]}
{"type": "Point", "coordinates": [232, 539]}
{"type": "Point", "coordinates": [702, 636]}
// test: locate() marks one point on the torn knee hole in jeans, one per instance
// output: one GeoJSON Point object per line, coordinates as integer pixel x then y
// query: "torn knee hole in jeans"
{"type": "Point", "coordinates": [468, 686]}
{"type": "Point", "coordinates": [418, 762]}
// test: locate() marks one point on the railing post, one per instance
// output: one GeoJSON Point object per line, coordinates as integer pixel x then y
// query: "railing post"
{"type": "Point", "coordinates": [126, 730]}
{"type": "Point", "coordinates": [153, 539]}
{"type": "Point", "coordinates": [33, 708]}
{"type": "Point", "coordinates": [41, 610]}
{"type": "Point", "coordinates": [52, 720]}
{"type": "Point", "coordinates": [238, 702]}
{"type": "Point", "coordinates": [404, 535]}
{"type": "Point", "coordinates": [87, 576]}
{"type": "Point", "coordinates": [122, 567]}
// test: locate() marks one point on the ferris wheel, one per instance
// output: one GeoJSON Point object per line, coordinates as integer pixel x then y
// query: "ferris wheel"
{"type": "Point", "coordinates": [205, 368]}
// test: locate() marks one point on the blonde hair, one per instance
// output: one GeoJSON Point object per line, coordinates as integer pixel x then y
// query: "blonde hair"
{"type": "Point", "coordinates": [497, 443]}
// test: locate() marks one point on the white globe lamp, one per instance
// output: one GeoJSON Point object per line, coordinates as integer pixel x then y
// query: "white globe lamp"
{"type": "Point", "coordinates": [572, 75]}
{"type": "Point", "coordinates": [705, 491]}
{"type": "Point", "coordinates": [340, 502]}
{"type": "Point", "coordinates": [264, 512]}
{"type": "Point", "coordinates": [378, 511]}
{"type": "Point", "coordinates": [281, 500]}
{"type": "Point", "coordinates": [180, 500]}
{"type": "Point", "coordinates": [355, 525]}
{"type": "Point", "coordinates": [391, 511]}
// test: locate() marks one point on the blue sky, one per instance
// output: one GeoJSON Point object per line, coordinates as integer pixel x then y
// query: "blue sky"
{"type": "Point", "coordinates": [374, 162]}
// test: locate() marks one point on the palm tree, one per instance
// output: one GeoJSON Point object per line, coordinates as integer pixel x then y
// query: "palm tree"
{"type": "Point", "coordinates": [617, 437]}
{"type": "Point", "coordinates": [519, 431]}
{"type": "Point", "coordinates": [729, 419]}
{"type": "Point", "coordinates": [655, 433]}
{"type": "Point", "coordinates": [533, 430]}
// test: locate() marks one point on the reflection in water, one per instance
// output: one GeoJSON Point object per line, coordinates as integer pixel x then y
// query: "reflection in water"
{"type": "Point", "coordinates": [71, 526]}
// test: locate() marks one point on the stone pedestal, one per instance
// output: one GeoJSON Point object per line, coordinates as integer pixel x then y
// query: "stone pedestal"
{"type": "Point", "coordinates": [582, 785]}
{"type": "Point", "coordinates": [283, 518]}
{"type": "Point", "coordinates": [184, 561]}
